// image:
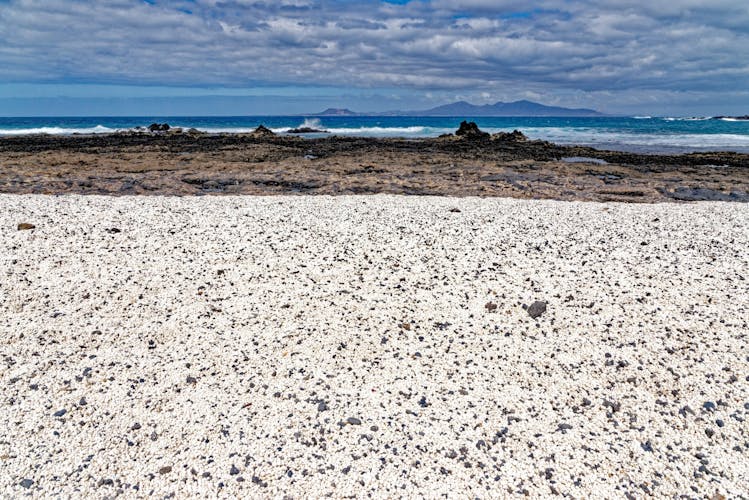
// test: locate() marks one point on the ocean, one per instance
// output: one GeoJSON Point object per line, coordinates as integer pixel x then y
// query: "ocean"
{"type": "Point", "coordinates": [635, 134]}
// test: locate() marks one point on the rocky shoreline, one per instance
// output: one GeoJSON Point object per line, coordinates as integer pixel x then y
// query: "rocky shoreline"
{"type": "Point", "coordinates": [468, 163]}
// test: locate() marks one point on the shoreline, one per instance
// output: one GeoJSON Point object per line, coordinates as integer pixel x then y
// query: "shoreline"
{"type": "Point", "coordinates": [503, 166]}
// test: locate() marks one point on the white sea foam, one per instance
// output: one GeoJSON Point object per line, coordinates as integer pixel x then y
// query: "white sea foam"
{"type": "Point", "coordinates": [99, 129]}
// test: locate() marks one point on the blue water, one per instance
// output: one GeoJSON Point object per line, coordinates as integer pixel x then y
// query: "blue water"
{"type": "Point", "coordinates": [671, 135]}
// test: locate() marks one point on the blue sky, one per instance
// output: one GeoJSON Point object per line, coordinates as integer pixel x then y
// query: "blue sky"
{"type": "Point", "coordinates": [292, 56]}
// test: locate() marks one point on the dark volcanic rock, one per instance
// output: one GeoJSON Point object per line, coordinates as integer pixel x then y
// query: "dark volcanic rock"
{"type": "Point", "coordinates": [307, 130]}
{"type": "Point", "coordinates": [514, 136]}
{"type": "Point", "coordinates": [159, 127]}
{"type": "Point", "coordinates": [536, 309]}
{"type": "Point", "coordinates": [469, 130]}
{"type": "Point", "coordinates": [263, 131]}
{"type": "Point", "coordinates": [25, 226]}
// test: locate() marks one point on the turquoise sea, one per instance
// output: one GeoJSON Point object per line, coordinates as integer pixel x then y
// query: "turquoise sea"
{"type": "Point", "coordinates": [640, 134]}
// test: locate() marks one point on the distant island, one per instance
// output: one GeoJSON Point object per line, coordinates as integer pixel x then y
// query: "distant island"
{"type": "Point", "coordinates": [466, 109]}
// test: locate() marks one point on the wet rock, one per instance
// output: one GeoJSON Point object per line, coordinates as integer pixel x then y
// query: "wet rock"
{"type": "Point", "coordinates": [514, 136]}
{"type": "Point", "coordinates": [263, 131]}
{"type": "Point", "coordinates": [536, 309]}
{"type": "Point", "coordinates": [469, 130]}
{"type": "Point", "coordinates": [25, 226]}
{"type": "Point", "coordinates": [306, 130]}
{"type": "Point", "coordinates": [705, 194]}
{"type": "Point", "coordinates": [159, 127]}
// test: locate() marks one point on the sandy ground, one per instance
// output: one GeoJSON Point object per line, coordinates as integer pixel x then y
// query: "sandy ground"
{"type": "Point", "coordinates": [356, 346]}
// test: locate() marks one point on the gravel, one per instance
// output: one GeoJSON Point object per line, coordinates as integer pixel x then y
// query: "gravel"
{"type": "Point", "coordinates": [213, 335]}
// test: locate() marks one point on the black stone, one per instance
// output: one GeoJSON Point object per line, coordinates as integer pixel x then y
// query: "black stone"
{"type": "Point", "coordinates": [353, 421]}
{"type": "Point", "coordinates": [233, 471]}
{"type": "Point", "coordinates": [26, 483]}
{"type": "Point", "coordinates": [60, 413]}
{"type": "Point", "coordinates": [536, 309]}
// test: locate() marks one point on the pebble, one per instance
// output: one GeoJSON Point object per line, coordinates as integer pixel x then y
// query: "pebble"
{"type": "Point", "coordinates": [60, 413]}
{"type": "Point", "coordinates": [353, 421]}
{"type": "Point", "coordinates": [27, 483]}
{"type": "Point", "coordinates": [536, 309]}
{"type": "Point", "coordinates": [25, 226]}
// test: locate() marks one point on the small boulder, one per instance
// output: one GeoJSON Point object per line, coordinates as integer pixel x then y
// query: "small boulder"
{"type": "Point", "coordinates": [469, 130]}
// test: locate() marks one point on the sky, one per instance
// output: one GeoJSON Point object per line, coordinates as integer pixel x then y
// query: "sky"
{"type": "Point", "coordinates": [231, 57]}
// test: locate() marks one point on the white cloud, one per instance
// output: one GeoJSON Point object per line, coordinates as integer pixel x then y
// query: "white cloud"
{"type": "Point", "coordinates": [479, 46]}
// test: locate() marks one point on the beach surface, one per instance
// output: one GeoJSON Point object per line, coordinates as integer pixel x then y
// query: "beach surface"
{"type": "Point", "coordinates": [348, 346]}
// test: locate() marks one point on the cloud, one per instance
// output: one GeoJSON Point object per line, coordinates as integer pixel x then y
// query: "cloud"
{"type": "Point", "coordinates": [483, 47]}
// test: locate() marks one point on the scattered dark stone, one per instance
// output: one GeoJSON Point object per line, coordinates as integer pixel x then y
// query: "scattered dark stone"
{"type": "Point", "coordinates": [647, 446]}
{"type": "Point", "coordinates": [259, 482]}
{"type": "Point", "coordinates": [423, 402]}
{"type": "Point", "coordinates": [708, 406]}
{"type": "Point", "coordinates": [346, 469]}
{"type": "Point", "coordinates": [720, 423]}
{"type": "Point", "coordinates": [564, 427]}
{"type": "Point", "coordinates": [455, 210]}
{"type": "Point", "coordinates": [25, 226]}
{"type": "Point", "coordinates": [469, 130]}
{"type": "Point", "coordinates": [353, 421]}
{"type": "Point", "coordinates": [26, 483]}
{"type": "Point", "coordinates": [490, 306]}
{"type": "Point", "coordinates": [113, 230]}
{"type": "Point", "coordinates": [406, 326]}
{"type": "Point", "coordinates": [234, 471]}
{"type": "Point", "coordinates": [322, 406]}
{"type": "Point", "coordinates": [615, 407]}
{"type": "Point", "coordinates": [135, 426]}
{"type": "Point", "coordinates": [536, 309]}
{"type": "Point", "coordinates": [709, 432]}
{"type": "Point", "coordinates": [60, 413]}
{"type": "Point", "coordinates": [105, 482]}
{"type": "Point", "coordinates": [166, 469]}
{"type": "Point", "coordinates": [191, 380]}
{"type": "Point", "coordinates": [154, 436]}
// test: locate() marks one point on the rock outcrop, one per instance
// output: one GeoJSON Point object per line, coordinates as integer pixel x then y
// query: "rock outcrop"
{"type": "Point", "coordinates": [469, 130]}
{"type": "Point", "coordinates": [263, 131]}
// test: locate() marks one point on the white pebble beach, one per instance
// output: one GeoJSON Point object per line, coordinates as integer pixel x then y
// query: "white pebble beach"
{"type": "Point", "coordinates": [372, 346]}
